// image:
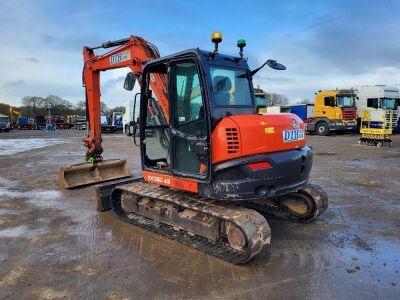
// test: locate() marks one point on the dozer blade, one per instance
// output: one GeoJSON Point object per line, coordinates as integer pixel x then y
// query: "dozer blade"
{"type": "Point", "coordinates": [86, 174]}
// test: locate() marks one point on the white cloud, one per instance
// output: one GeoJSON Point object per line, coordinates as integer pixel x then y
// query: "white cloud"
{"type": "Point", "coordinates": [322, 46]}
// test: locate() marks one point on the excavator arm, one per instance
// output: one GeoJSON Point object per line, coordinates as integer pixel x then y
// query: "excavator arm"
{"type": "Point", "coordinates": [133, 53]}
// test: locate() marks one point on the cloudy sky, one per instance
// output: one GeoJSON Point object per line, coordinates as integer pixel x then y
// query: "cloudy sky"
{"type": "Point", "coordinates": [324, 44]}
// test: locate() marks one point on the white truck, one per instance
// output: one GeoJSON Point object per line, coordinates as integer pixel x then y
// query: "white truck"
{"type": "Point", "coordinates": [131, 112]}
{"type": "Point", "coordinates": [378, 98]}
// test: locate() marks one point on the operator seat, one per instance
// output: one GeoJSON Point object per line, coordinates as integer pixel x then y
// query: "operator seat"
{"type": "Point", "coordinates": [222, 86]}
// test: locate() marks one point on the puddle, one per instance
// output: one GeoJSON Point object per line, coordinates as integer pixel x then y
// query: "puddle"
{"type": "Point", "coordinates": [7, 182]}
{"type": "Point", "coordinates": [32, 194]}
{"type": "Point", "coordinates": [13, 146]}
{"type": "Point", "coordinates": [21, 231]}
{"type": "Point", "coordinates": [367, 164]}
{"type": "Point", "coordinates": [325, 153]}
{"type": "Point", "coordinates": [6, 212]}
{"type": "Point", "coordinates": [37, 197]}
{"type": "Point", "coordinates": [68, 153]}
{"type": "Point", "coordinates": [381, 264]}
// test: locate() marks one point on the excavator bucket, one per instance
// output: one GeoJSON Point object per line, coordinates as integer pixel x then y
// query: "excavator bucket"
{"type": "Point", "coordinates": [86, 174]}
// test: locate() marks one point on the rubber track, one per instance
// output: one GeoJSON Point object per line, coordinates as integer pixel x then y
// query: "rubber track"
{"type": "Point", "coordinates": [254, 225]}
{"type": "Point", "coordinates": [314, 191]}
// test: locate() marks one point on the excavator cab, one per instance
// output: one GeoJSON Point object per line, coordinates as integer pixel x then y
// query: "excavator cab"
{"type": "Point", "coordinates": [203, 88]}
{"type": "Point", "coordinates": [209, 138]}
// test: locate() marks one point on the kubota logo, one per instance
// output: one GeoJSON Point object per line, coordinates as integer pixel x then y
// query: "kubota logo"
{"type": "Point", "coordinates": [294, 124]}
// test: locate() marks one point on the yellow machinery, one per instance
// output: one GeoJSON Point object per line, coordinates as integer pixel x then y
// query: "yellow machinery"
{"type": "Point", "coordinates": [14, 114]}
{"type": "Point", "coordinates": [376, 127]}
{"type": "Point", "coordinates": [261, 100]}
{"type": "Point", "coordinates": [71, 120]}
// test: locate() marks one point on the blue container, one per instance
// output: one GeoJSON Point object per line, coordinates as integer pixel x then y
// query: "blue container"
{"type": "Point", "coordinates": [300, 110]}
{"type": "Point", "coordinates": [23, 120]}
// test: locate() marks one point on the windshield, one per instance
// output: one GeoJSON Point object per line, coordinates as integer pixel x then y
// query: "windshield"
{"type": "Point", "coordinates": [345, 100]}
{"type": "Point", "coordinates": [260, 101]}
{"type": "Point", "coordinates": [230, 88]}
{"type": "Point", "coordinates": [103, 120]}
{"type": "Point", "coordinates": [389, 103]}
{"type": "Point", "coordinates": [3, 119]}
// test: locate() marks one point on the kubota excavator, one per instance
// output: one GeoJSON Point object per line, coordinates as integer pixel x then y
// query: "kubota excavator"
{"type": "Point", "coordinates": [212, 166]}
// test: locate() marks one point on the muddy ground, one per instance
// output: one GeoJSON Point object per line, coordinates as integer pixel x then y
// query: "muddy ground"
{"type": "Point", "coordinates": [54, 244]}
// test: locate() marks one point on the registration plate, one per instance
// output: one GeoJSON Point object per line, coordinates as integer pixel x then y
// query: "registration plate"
{"type": "Point", "coordinates": [120, 57]}
{"type": "Point", "coordinates": [293, 135]}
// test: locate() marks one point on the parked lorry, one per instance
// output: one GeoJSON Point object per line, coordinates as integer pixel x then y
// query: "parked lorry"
{"type": "Point", "coordinates": [24, 123]}
{"type": "Point", "coordinates": [70, 120]}
{"type": "Point", "coordinates": [58, 121]}
{"type": "Point", "coordinates": [39, 122]}
{"type": "Point", "coordinates": [111, 123]}
{"type": "Point", "coordinates": [378, 98]}
{"type": "Point", "coordinates": [104, 123]}
{"type": "Point", "coordinates": [131, 114]}
{"type": "Point", "coordinates": [334, 110]}
{"type": "Point", "coordinates": [5, 124]}
{"type": "Point", "coordinates": [117, 121]}
{"type": "Point", "coordinates": [81, 123]}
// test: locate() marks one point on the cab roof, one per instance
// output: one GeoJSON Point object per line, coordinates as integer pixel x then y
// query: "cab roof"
{"type": "Point", "coordinates": [207, 57]}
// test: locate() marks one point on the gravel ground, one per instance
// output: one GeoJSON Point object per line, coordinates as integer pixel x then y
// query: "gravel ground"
{"type": "Point", "coordinates": [54, 244]}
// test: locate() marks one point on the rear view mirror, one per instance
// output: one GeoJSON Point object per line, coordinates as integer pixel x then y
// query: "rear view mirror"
{"type": "Point", "coordinates": [130, 80]}
{"type": "Point", "coordinates": [270, 62]}
{"type": "Point", "coordinates": [274, 65]}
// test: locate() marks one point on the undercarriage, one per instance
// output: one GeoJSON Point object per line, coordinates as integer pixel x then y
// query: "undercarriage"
{"type": "Point", "coordinates": [234, 232]}
{"type": "Point", "coordinates": [375, 140]}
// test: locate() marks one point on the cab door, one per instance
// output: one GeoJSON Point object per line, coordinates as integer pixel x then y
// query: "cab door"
{"type": "Point", "coordinates": [329, 110]}
{"type": "Point", "coordinates": [190, 134]}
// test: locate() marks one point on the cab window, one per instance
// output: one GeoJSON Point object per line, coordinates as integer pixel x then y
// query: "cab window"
{"type": "Point", "coordinates": [372, 102]}
{"type": "Point", "coordinates": [189, 114]}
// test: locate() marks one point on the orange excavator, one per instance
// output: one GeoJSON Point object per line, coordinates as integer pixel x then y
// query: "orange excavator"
{"type": "Point", "coordinates": [212, 166]}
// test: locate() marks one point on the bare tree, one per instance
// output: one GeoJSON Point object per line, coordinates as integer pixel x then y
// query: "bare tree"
{"type": "Point", "coordinates": [104, 107]}
{"type": "Point", "coordinates": [81, 105]}
{"type": "Point", "coordinates": [32, 101]}
{"type": "Point", "coordinates": [32, 104]}
{"type": "Point", "coordinates": [116, 109]}
{"type": "Point", "coordinates": [274, 99]}
{"type": "Point", "coordinates": [53, 101]}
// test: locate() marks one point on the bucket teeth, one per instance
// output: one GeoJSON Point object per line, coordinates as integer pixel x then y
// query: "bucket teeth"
{"type": "Point", "coordinates": [86, 174]}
